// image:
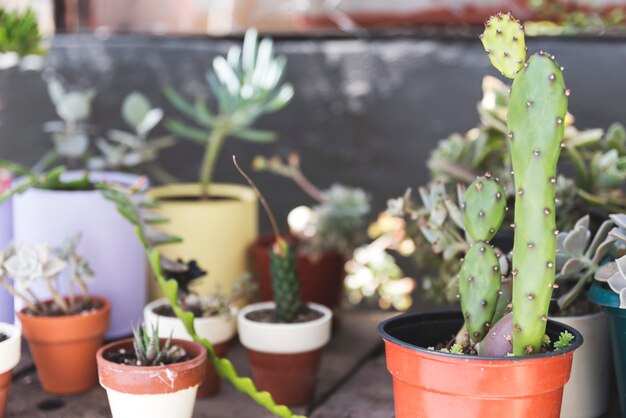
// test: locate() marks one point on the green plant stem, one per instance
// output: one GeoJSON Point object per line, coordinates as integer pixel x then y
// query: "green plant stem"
{"type": "Point", "coordinates": [212, 150]}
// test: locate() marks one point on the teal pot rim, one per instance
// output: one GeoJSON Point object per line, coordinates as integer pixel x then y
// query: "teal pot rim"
{"type": "Point", "coordinates": [606, 298]}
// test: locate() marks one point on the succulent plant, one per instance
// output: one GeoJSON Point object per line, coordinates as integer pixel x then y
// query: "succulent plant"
{"type": "Point", "coordinates": [335, 223]}
{"type": "Point", "coordinates": [131, 150]}
{"type": "Point", "coordinates": [70, 135]}
{"type": "Point", "coordinates": [150, 352]}
{"type": "Point", "coordinates": [579, 257]}
{"type": "Point", "coordinates": [247, 84]}
{"type": "Point", "coordinates": [28, 264]}
{"type": "Point", "coordinates": [613, 273]}
{"type": "Point", "coordinates": [535, 121]}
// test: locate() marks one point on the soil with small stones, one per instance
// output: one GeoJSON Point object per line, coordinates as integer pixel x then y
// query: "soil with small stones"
{"type": "Point", "coordinates": [81, 307]}
{"type": "Point", "coordinates": [197, 311]}
{"type": "Point", "coordinates": [128, 358]}
{"type": "Point", "coordinates": [3, 337]}
{"type": "Point", "coordinates": [306, 314]}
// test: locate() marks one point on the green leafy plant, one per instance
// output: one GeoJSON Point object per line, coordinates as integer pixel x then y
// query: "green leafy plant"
{"type": "Point", "coordinates": [19, 32]}
{"type": "Point", "coordinates": [247, 84]}
{"type": "Point", "coordinates": [335, 223]}
{"type": "Point", "coordinates": [150, 352]}
{"type": "Point", "coordinates": [126, 202]}
{"type": "Point", "coordinates": [565, 340]}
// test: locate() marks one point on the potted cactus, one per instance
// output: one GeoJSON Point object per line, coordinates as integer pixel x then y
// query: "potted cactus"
{"type": "Point", "coordinates": [284, 338]}
{"type": "Point", "coordinates": [75, 204]}
{"type": "Point", "coordinates": [63, 333]}
{"type": "Point", "coordinates": [151, 376]}
{"type": "Point", "coordinates": [608, 292]}
{"type": "Point", "coordinates": [247, 84]}
{"type": "Point", "coordinates": [214, 317]}
{"type": "Point", "coordinates": [512, 348]}
{"type": "Point", "coordinates": [322, 236]}
{"type": "Point", "coordinates": [10, 346]}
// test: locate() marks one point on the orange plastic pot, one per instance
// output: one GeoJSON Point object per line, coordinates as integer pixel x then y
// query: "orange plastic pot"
{"type": "Point", "coordinates": [321, 279]}
{"type": "Point", "coordinates": [429, 384]}
{"type": "Point", "coordinates": [64, 347]}
{"type": "Point", "coordinates": [5, 382]}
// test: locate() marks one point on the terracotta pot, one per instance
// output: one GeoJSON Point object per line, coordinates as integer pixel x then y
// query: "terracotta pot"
{"type": "Point", "coordinates": [285, 358]}
{"type": "Point", "coordinates": [219, 330]}
{"type": "Point", "coordinates": [215, 232]}
{"type": "Point", "coordinates": [429, 384]}
{"type": "Point", "coordinates": [64, 347]}
{"type": "Point", "coordinates": [155, 392]}
{"type": "Point", "coordinates": [321, 280]}
{"type": "Point", "coordinates": [10, 351]}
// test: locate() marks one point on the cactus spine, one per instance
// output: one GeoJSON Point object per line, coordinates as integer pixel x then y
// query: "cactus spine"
{"type": "Point", "coordinates": [479, 279]}
{"type": "Point", "coordinates": [536, 115]}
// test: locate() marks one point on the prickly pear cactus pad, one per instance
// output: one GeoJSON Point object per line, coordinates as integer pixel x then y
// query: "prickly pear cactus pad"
{"type": "Point", "coordinates": [537, 109]}
{"type": "Point", "coordinates": [484, 208]}
{"type": "Point", "coordinates": [503, 40]}
{"type": "Point", "coordinates": [479, 284]}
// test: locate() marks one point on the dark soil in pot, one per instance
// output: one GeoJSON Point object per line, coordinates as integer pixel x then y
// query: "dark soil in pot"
{"type": "Point", "coordinates": [128, 357]}
{"type": "Point", "coordinates": [192, 198]}
{"type": "Point", "coordinates": [3, 337]}
{"type": "Point", "coordinates": [78, 307]}
{"type": "Point", "coordinates": [197, 311]}
{"type": "Point", "coordinates": [306, 314]}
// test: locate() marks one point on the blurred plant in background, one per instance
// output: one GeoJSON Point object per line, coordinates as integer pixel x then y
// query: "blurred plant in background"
{"type": "Point", "coordinates": [70, 135]}
{"type": "Point", "coordinates": [134, 151]}
{"type": "Point", "coordinates": [557, 17]}
{"type": "Point", "coordinates": [19, 37]}
{"type": "Point", "coordinates": [335, 223]}
{"type": "Point", "coordinates": [247, 84]}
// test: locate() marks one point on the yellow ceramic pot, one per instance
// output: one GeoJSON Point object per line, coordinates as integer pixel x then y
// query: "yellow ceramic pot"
{"type": "Point", "coordinates": [215, 232]}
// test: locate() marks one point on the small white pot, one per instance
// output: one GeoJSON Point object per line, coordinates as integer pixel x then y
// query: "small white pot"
{"type": "Point", "coordinates": [217, 329]}
{"type": "Point", "coordinates": [586, 395]}
{"type": "Point", "coordinates": [10, 349]}
{"type": "Point", "coordinates": [284, 338]}
{"type": "Point", "coordinates": [157, 391]}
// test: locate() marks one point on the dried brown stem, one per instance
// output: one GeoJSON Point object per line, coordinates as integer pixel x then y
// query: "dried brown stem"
{"type": "Point", "coordinates": [13, 291]}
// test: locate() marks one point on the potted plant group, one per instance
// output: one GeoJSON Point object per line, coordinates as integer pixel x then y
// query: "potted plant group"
{"type": "Point", "coordinates": [247, 84]}
{"type": "Point", "coordinates": [139, 216]}
{"type": "Point", "coordinates": [500, 363]}
{"type": "Point", "coordinates": [609, 292]}
{"type": "Point", "coordinates": [73, 201]}
{"type": "Point", "coordinates": [151, 376]}
{"type": "Point", "coordinates": [284, 338]}
{"type": "Point", "coordinates": [214, 317]}
{"type": "Point", "coordinates": [10, 346]}
{"type": "Point", "coordinates": [63, 333]}
{"type": "Point", "coordinates": [322, 236]}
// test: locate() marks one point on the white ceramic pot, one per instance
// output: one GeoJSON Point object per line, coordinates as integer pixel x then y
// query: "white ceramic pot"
{"type": "Point", "coordinates": [217, 329]}
{"type": "Point", "coordinates": [9, 357]}
{"type": "Point", "coordinates": [284, 338]}
{"type": "Point", "coordinates": [586, 395]}
{"type": "Point", "coordinates": [155, 392]}
{"type": "Point", "coordinates": [9, 349]}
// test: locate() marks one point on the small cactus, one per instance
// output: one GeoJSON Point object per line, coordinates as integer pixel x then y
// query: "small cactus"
{"type": "Point", "coordinates": [479, 279]}
{"type": "Point", "coordinates": [536, 115]}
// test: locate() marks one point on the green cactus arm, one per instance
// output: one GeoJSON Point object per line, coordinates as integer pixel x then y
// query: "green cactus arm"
{"type": "Point", "coordinates": [537, 109]}
{"type": "Point", "coordinates": [170, 289]}
{"type": "Point", "coordinates": [285, 283]}
{"type": "Point", "coordinates": [479, 285]}
{"type": "Point", "coordinates": [484, 206]}
{"type": "Point", "coordinates": [504, 42]}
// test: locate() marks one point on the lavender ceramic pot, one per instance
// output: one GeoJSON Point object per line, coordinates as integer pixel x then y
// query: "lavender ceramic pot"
{"type": "Point", "coordinates": [108, 242]}
{"type": "Point", "coordinates": [6, 235]}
